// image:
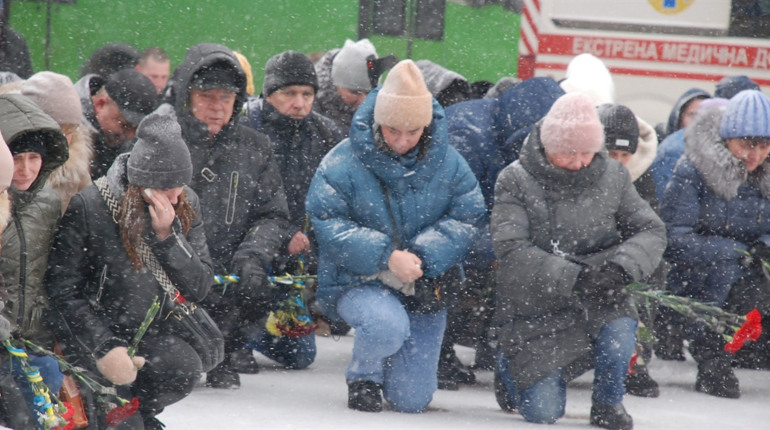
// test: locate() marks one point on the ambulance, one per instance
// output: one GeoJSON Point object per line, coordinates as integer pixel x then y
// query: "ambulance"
{"type": "Point", "coordinates": [654, 49]}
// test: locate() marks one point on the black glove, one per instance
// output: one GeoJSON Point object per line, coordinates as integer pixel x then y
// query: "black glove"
{"type": "Point", "coordinates": [252, 286]}
{"type": "Point", "coordinates": [602, 284]}
{"type": "Point", "coordinates": [759, 252]}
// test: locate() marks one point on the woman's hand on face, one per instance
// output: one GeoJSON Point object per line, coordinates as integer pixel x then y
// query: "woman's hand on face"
{"type": "Point", "coordinates": [406, 266]}
{"type": "Point", "coordinates": [162, 212]}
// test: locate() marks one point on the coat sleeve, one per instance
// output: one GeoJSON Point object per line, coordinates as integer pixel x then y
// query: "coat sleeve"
{"type": "Point", "coordinates": [643, 234]}
{"type": "Point", "coordinates": [681, 209]}
{"type": "Point", "coordinates": [263, 241]}
{"type": "Point", "coordinates": [186, 258]}
{"type": "Point", "coordinates": [358, 248]}
{"type": "Point", "coordinates": [69, 275]}
{"type": "Point", "coordinates": [524, 269]}
{"type": "Point", "coordinates": [446, 242]}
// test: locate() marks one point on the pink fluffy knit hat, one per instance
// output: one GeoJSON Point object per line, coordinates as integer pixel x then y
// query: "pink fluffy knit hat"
{"type": "Point", "coordinates": [572, 125]}
{"type": "Point", "coordinates": [404, 99]}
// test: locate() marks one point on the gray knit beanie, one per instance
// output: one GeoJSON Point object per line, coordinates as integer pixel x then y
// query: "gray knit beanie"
{"type": "Point", "coordinates": [160, 158]}
{"type": "Point", "coordinates": [349, 68]}
{"type": "Point", "coordinates": [55, 95]}
{"type": "Point", "coordinates": [286, 69]}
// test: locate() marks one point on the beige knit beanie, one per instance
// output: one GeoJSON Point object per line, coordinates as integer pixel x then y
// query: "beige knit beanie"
{"type": "Point", "coordinates": [55, 95]}
{"type": "Point", "coordinates": [404, 100]}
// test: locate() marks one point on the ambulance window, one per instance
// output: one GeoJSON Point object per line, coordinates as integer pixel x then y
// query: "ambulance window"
{"type": "Point", "coordinates": [710, 18]}
{"type": "Point", "coordinates": [750, 18]}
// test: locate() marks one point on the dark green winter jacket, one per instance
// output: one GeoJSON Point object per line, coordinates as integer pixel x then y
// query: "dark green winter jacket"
{"type": "Point", "coordinates": [34, 217]}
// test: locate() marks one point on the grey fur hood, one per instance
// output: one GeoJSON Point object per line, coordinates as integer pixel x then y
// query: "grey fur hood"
{"type": "Point", "coordinates": [720, 170]}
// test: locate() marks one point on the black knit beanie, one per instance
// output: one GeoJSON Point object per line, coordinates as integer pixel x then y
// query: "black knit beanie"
{"type": "Point", "coordinates": [288, 68]}
{"type": "Point", "coordinates": [160, 158]}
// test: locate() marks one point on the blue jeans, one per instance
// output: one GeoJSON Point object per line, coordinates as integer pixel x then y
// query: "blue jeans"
{"type": "Point", "coordinates": [292, 352]}
{"type": "Point", "coordinates": [49, 371]}
{"type": "Point", "coordinates": [545, 401]}
{"type": "Point", "coordinates": [393, 347]}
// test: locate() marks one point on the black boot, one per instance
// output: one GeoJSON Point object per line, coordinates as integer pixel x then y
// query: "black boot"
{"type": "Point", "coordinates": [242, 361]}
{"type": "Point", "coordinates": [451, 371]}
{"type": "Point", "coordinates": [153, 424]}
{"type": "Point", "coordinates": [715, 371]}
{"type": "Point", "coordinates": [668, 329]}
{"type": "Point", "coordinates": [223, 376]}
{"type": "Point", "coordinates": [716, 377]}
{"type": "Point", "coordinates": [365, 396]}
{"type": "Point", "coordinates": [613, 417]}
{"type": "Point", "coordinates": [640, 383]}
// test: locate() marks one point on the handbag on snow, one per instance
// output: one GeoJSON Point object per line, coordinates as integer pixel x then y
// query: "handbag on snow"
{"type": "Point", "coordinates": [181, 318]}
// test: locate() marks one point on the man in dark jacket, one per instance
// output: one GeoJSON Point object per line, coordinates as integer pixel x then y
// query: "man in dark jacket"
{"type": "Point", "coordinates": [112, 109]}
{"type": "Point", "coordinates": [242, 198]}
{"type": "Point", "coordinates": [300, 137]}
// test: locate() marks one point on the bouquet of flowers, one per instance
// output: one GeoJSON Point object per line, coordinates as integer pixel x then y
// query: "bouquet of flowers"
{"type": "Point", "coordinates": [735, 329]}
{"type": "Point", "coordinates": [52, 414]}
{"type": "Point", "coordinates": [291, 316]}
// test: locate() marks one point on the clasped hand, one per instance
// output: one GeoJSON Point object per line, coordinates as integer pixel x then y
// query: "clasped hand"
{"type": "Point", "coordinates": [406, 266]}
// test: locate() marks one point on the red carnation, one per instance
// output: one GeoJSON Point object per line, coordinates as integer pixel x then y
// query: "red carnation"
{"type": "Point", "coordinates": [118, 414]}
{"type": "Point", "coordinates": [751, 329]}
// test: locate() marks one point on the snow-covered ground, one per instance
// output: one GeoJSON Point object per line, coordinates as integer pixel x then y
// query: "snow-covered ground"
{"type": "Point", "coordinates": [316, 398]}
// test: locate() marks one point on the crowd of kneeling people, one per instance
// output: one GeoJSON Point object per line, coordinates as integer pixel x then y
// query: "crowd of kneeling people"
{"type": "Point", "coordinates": [409, 196]}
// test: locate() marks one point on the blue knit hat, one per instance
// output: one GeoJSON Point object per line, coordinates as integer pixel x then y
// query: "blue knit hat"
{"type": "Point", "coordinates": [747, 115]}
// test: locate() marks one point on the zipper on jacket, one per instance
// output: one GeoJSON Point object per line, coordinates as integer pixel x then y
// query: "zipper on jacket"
{"type": "Point", "coordinates": [230, 214]}
{"type": "Point", "coordinates": [22, 270]}
{"type": "Point", "coordinates": [181, 244]}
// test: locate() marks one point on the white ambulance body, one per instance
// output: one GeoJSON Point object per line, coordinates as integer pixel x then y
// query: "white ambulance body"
{"type": "Point", "coordinates": [655, 49]}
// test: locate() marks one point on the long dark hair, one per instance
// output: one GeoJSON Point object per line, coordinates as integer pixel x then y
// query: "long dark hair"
{"type": "Point", "coordinates": [133, 220]}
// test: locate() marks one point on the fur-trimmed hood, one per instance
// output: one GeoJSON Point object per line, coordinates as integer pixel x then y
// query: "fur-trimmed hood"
{"type": "Point", "coordinates": [646, 150]}
{"type": "Point", "coordinates": [721, 171]}
{"type": "Point", "coordinates": [75, 173]}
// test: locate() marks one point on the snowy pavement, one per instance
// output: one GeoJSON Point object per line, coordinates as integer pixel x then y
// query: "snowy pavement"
{"type": "Point", "coordinates": [316, 398]}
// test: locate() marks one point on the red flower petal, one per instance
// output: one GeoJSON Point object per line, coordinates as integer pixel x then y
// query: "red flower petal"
{"type": "Point", "coordinates": [118, 414]}
{"type": "Point", "coordinates": [751, 329]}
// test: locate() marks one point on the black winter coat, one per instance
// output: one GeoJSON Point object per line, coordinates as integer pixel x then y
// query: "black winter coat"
{"type": "Point", "coordinates": [98, 299]}
{"type": "Point", "coordinates": [299, 147]}
{"type": "Point", "coordinates": [235, 175]}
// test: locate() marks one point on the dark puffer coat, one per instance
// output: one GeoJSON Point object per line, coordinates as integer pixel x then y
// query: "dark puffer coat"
{"type": "Point", "coordinates": [713, 208]}
{"type": "Point", "coordinates": [98, 298]}
{"type": "Point", "coordinates": [547, 222]}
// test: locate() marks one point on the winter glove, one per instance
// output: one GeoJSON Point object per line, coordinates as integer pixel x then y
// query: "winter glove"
{"type": "Point", "coordinates": [760, 252]}
{"type": "Point", "coordinates": [252, 287]}
{"type": "Point", "coordinates": [602, 284]}
{"type": "Point", "coordinates": [118, 367]}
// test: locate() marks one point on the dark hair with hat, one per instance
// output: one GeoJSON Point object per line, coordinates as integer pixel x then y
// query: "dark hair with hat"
{"type": "Point", "coordinates": [221, 75]}
{"type": "Point", "coordinates": [621, 130]}
{"type": "Point", "coordinates": [729, 86]}
{"type": "Point", "coordinates": [110, 58]}
{"type": "Point", "coordinates": [133, 92]}
{"type": "Point", "coordinates": [288, 68]}
{"type": "Point", "coordinates": [160, 158]}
